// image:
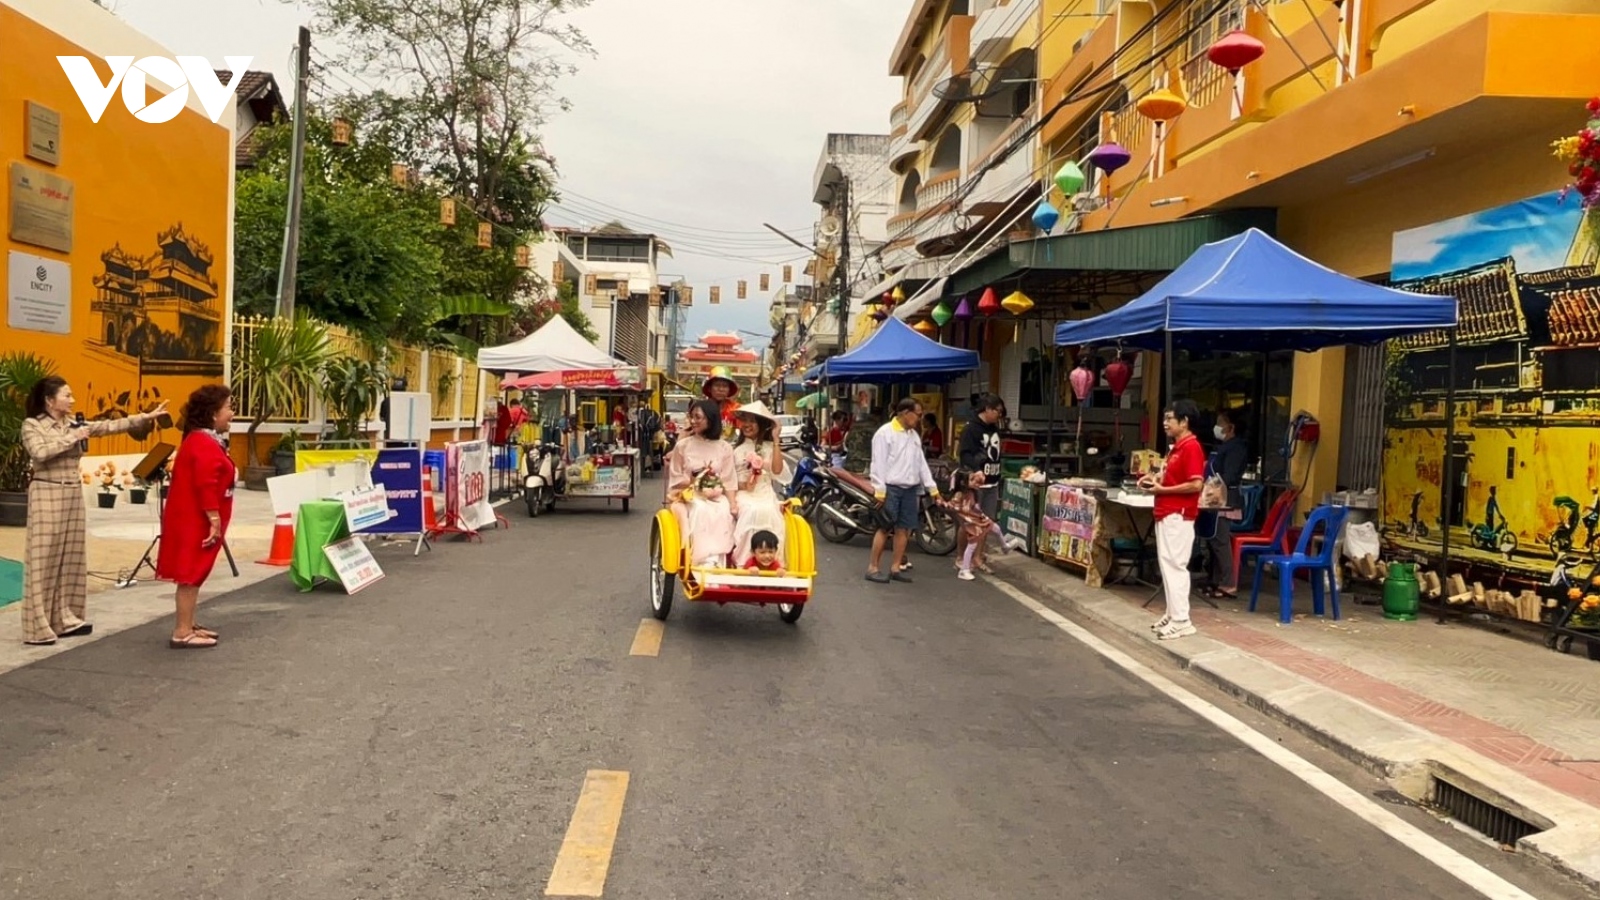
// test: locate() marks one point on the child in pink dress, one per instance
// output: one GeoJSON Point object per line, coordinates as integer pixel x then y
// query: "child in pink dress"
{"type": "Point", "coordinates": [976, 525]}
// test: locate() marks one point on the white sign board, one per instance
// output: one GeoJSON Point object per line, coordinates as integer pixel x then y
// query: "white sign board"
{"type": "Point", "coordinates": [38, 293]}
{"type": "Point", "coordinates": [354, 563]}
{"type": "Point", "coordinates": [289, 491]}
{"type": "Point", "coordinates": [472, 485]}
{"type": "Point", "coordinates": [366, 507]}
{"type": "Point", "coordinates": [410, 416]}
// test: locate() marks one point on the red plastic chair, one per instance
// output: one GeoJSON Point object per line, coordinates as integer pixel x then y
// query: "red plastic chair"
{"type": "Point", "coordinates": [1271, 537]}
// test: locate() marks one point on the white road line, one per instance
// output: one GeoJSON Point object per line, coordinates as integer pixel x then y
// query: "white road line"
{"type": "Point", "coordinates": [1409, 836]}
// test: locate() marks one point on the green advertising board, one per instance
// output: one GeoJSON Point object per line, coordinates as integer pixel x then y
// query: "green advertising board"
{"type": "Point", "coordinates": [1019, 511]}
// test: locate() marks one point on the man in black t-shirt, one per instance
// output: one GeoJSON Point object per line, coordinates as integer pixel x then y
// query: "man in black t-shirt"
{"type": "Point", "coordinates": [979, 452]}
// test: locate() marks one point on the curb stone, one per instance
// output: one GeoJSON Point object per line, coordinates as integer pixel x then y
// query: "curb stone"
{"type": "Point", "coordinates": [1406, 756]}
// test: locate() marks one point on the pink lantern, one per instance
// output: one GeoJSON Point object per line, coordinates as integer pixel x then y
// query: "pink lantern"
{"type": "Point", "coordinates": [1082, 382]}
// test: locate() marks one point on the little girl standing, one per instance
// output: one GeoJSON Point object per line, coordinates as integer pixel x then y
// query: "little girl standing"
{"type": "Point", "coordinates": [978, 527]}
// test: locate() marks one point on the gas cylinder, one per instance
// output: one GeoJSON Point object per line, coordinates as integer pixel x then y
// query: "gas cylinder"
{"type": "Point", "coordinates": [1401, 593]}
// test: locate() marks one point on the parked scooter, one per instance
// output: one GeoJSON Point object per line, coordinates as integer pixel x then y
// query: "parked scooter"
{"type": "Point", "coordinates": [846, 507]}
{"type": "Point", "coordinates": [544, 474]}
{"type": "Point", "coordinates": [808, 481]}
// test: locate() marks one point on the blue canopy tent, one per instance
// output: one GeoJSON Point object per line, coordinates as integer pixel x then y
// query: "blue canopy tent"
{"type": "Point", "coordinates": [1249, 293]}
{"type": "Point", "coordinates": [896, 353]}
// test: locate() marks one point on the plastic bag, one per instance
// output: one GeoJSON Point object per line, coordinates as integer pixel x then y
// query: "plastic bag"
{"type": "Point", "coordinates": [1361, 539]}
{"type": "Point", "coordinates": [1213, 493]}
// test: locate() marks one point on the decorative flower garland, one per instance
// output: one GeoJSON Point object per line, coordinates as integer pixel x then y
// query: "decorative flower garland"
{"type": "Point", "coordinates": [1581, 153]}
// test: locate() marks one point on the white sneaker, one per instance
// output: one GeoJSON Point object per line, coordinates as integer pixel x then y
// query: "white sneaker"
{"type": "Point", "coordinates": [1175, 629]}
{"type": "Point", "coordinates": [1160, 623]}
{"type": "Point", "coordinates": [966, 575]}
{"type": "Point", "coordinates": [1012, 543]}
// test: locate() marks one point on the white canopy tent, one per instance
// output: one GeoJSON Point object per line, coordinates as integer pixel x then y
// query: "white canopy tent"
{"type": "Point", "coordinates": [555, 347]}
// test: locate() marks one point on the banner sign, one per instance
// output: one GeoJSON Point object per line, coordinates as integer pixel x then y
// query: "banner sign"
{"type": "Point", "coordinates": [354, 563]}
{"type": "Point", "coordinates": [400, 472]}
{"type": "Point", "coordinates": [467, 484]}
{"type": "Point", "coordinates": [1017, 511]}
{"type": "Point", "coordinates": [609, 481]}
{"type": "Point", "coordinates": [365, 508]}
{"type": "Point", "coordinates": [306, 460]}
{"type": "Point", "coordinates": [1068, 524]}
{"type": "Point", "coordinates": [624, 378]}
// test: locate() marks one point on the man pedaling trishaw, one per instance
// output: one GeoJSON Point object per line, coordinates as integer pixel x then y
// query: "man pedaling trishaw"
{"type": "Point", "coordinates": [725, 534]}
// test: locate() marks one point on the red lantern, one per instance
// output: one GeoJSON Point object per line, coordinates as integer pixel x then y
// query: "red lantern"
{"type": "Point", "coordinates": [988, 304]}
{"type": "Point", "coordinates": [1118, 374]}
{"type": "Point", "coordinates": [1235, 50]}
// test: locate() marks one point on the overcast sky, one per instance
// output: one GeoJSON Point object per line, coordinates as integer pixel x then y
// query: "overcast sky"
{"type": "Point", "coordinates": [696, 119]}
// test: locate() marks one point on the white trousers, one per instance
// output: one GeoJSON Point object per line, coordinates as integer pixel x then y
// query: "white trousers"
{"type": "Point", "coordinates": [1174, 547]}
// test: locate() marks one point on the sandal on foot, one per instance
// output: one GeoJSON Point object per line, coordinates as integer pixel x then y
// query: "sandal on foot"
{"type": "Point", "coordinates": [195, 641]}
{"type": "Point", "coordinates": [204, 631]}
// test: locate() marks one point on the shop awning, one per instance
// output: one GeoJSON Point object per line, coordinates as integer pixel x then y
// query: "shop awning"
{"type": "Point", "coordinates": [896, 354]}
{"type": "Point", "coordinates": [1251, 293]}
{"type": "Point", "coordinates": [628, 378]}
{"type": "Point", "coordinates": [819, 400]}
{"type": "Point", "coordinates": [555, 347]}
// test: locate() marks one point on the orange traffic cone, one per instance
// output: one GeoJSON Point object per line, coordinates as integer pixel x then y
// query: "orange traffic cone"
{"type": "Point", "coordinates": [282, 541]}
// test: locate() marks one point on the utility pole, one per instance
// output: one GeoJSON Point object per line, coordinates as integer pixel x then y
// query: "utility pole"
{"type": "Point", "coordinates": [844, 263]}
{"type": "Point", "coordinates": [672, 329]}
{"type": "Point", "coordinates": [289, 260]}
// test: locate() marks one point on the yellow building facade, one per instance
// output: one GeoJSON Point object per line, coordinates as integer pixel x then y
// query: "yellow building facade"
{"type": "Point", "coordinates": [119, 238]}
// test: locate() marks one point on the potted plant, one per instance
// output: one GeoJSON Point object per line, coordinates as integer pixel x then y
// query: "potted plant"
{"type": "Point", "coordinates": [138, 491]}
{"type": "Point", "coordinates": [108, 490]}
{"type": "Point", "coordinates": [18, 373]}
{"type": "Point", "coordinates": [276, 364]}
{"type": "Point", "coordinates": [283, 452]}
{"type": "Point", "coordinates": [351, 388]}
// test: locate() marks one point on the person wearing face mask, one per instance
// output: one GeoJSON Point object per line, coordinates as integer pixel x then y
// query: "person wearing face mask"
{"type": "Point", "coordinates": [55, 596]}
{"type": "Point", "coordinates": [1228, 461]}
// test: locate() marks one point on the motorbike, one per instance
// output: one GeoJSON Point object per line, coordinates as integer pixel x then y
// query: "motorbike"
{"type": "Point", "coordinates": [1496, 539]}
{"type": "Point", "coordinates": [808, 480]}
{"type": "Point", "coordinates": [544, 474]}
{"type": "Point", "coordinates": [846, 507]}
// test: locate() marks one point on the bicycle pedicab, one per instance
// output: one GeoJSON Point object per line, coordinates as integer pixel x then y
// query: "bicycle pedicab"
{"type": "Point", "coordinates": [669, 567]}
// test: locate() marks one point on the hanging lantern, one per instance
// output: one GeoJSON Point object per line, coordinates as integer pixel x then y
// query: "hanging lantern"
{"type": "Point", "coordinates": [1162, 105]}
{"type": "Point", "coordinates": [1118, 374]}
{"type": "Point", "coordinates": [1069, 178]}
{"type": "Point", "coordinates": [1109, 157]}
{"type": "Point", "coordinates": [926, 328]}
{"type": "Point", "coordinates": [898, 295]}
{"type": "Point", "coordinates": [989, 303]}
{"type": "Point", "coordinates": [1017, 303]}
{"type": "Point", "coordinates": [522, 256]}
{"type": "Point", "coordinates": [1045, 216]}
{"type": "Point", "coordinates": [941, 314]}
{"type": "Point", "coordinates": [342, 132]}
{"type": "Point", "coordinates": [963, 309]}
{"type": "Point", "coordinates": [1083, 380]}
{"type": "Point", "coordinates": [1235, 50]}
{"type": "Point", "coordinates": [447, 212]}
{"type": "Point", "coordinates": [485, 234]}
{"type": "Point", "coordinates": [398, 173]}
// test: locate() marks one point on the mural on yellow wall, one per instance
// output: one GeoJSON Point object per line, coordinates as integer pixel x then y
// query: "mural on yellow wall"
{"type": "Point", "coordinates": [116, 243]}
{"type": "Point", "coordinates": [1527, 390]}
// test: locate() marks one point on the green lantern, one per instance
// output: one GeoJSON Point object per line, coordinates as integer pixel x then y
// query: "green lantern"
{"type": "Point", "coordinates": [1069, 178]}
{"type": "Point", "coordinates": [942, 313]}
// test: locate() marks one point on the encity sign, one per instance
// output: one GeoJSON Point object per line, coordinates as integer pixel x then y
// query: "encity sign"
{"type": "Point", "coordinates": [179, 75]}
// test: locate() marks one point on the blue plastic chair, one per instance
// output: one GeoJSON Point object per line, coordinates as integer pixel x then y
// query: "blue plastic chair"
{"type": "Point", "coordinates": [1280, 534]}
{"type": "Point", "coordinates": [1251, 493]}
{"type": "Point", "coordinates": [1331, 518]}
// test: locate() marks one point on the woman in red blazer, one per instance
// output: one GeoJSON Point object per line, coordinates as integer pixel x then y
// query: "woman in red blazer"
{"type": "Point", "coordinates": [199, 505]}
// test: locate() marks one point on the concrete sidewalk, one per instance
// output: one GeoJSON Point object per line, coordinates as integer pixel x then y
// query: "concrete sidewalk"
{"type": "Point", "coordinates": [1502, 718]}
{"type": "Point", "coordinates": [117, 539]}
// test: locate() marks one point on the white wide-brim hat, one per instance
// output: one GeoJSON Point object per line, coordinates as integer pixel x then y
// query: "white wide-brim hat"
{"type": "Point", "coordinates": [757, 410]}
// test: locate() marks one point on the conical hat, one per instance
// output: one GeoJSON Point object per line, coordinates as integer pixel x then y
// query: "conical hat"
{"type": "Point", "coordinates": [758, 410]}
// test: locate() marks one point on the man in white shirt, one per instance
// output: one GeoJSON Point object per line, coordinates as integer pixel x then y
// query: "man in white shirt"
{"type": "Point", "coordinates": [899, 472]}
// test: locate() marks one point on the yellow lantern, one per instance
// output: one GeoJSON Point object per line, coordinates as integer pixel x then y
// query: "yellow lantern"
{"type": "Point", "coordinates": [1162, 105]}
{"type": "Point", "coordinates": [926, 328]}
{"type": "Point", "coordinates": [1017, 303]}
{"type": "Point", "coordinates": [485, 235]}
{"type": "Point", "coordinates": [899, 295]}
{"type": "Point", "coordinates": [447, 211]}
{"type": "Point", "coordinates": [522, 256]}
{"type": "Point", "coordinates": [342, 132]}
{"type": "Point", "coordinates": [398, 173]}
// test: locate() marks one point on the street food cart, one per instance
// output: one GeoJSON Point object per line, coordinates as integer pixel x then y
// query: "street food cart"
{"type": "Point", "coordinates": [578, 455]}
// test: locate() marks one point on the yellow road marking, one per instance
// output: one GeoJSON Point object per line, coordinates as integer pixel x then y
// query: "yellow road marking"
{"type": "Point", "coordinates": [647, 640]}
{"type": "Point", "coordinates": [585, 856]}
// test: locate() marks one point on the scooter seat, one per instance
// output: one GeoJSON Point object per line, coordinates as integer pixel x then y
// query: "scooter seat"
{"type": "Point", "coordinates": [851, 478]}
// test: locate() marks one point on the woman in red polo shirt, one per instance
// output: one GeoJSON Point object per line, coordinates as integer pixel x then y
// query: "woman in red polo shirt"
{"type": "Point", "coordinates": [1177, 503]}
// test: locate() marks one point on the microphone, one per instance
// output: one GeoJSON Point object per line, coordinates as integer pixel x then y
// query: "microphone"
{"type": "Point", "coordinates": [83, 444]}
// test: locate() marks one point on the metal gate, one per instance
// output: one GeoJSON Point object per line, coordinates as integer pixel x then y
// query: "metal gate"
{"type": "Point", "coordinates": [1361, 437]}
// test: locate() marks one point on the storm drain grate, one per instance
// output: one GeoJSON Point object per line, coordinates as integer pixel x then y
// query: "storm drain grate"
{"type": "Point", "coordinates": [1480, 815]}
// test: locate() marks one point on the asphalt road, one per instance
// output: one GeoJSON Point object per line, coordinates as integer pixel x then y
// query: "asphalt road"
{"type": "Point", "coordinates": [429, 737]}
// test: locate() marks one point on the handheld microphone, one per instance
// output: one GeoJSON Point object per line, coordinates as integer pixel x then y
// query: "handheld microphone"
{"type": "Point", "coordinates": [83, 444]}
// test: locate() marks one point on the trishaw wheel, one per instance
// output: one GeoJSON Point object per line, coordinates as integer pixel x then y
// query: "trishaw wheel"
{"type": "Point", "coordinates": [661, 581]}
{"type": "Point", "coordinates": [790, 612]}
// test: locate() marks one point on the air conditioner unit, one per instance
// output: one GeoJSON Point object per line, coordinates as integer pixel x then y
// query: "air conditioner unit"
{"type": "Point", "coordinates": [1085, 202]}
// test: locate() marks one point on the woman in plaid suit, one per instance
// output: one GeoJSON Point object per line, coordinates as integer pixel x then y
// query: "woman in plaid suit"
{"type": "Point", "coordinates": [56, 594]}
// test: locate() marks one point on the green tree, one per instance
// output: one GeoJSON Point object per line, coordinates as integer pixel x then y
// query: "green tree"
{"type": "Point", "coordinates": [565, 304]}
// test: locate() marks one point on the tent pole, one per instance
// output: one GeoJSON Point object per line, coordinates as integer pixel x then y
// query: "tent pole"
{"type": "Point", "coordinates": [1447, 499]}
{"type": "Point", "coordinates": [1051, 393]}
{"type": "Point", "coordinates": [1166, 372]}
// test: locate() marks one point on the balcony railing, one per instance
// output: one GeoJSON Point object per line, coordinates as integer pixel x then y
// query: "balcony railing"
{"type": "Point", "coordinates": [936, 69]}
{"type": "Point", "coordinates": [899, 116]}
{"type": "Point", "coordinates": [938, 189]}
{"type": "Point", "coordinates": [901, 225]}
{"type": "Point", "coordinates": [996, 26]}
